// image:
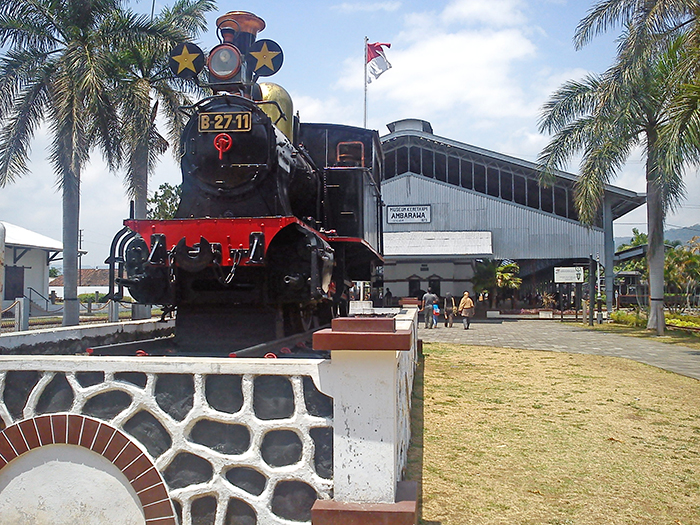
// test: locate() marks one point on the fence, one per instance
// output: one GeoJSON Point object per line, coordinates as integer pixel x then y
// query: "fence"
{"type": "Point", "coordinates": [16, 317]}
{"type": "Point", "coordinates": [256, 441]}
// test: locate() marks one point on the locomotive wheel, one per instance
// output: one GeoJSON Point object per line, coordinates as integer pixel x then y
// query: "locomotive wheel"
{"type": "Point", "coordinates": [299, 319]}
{"type": "Point", "coordinates": [308, 318]}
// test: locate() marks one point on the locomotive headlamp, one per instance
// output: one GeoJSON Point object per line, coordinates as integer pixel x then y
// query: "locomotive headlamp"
{"type": "Point", "coordinates": [224, 62]}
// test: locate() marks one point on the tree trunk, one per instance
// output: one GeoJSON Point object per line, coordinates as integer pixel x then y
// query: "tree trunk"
{"type": "Point", "coordinates": [655, 253]}
{"type": "Point", "coordinates": [71, 225]}
{"type": "Point", "coordinates": [139, 170]}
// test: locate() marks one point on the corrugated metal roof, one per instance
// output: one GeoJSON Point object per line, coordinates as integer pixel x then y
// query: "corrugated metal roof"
{"type": "Point", "coordinates": [623, 200]}
{"type": "Point", "coordinates": [23, 238]}
{"type": "Point", "coordinates": [439, 244]}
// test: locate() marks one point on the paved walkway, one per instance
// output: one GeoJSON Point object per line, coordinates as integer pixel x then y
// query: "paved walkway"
{"type": "Point", "coordinates": [567, 337]}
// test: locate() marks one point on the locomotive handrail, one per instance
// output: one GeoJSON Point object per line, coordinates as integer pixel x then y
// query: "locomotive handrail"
{"type": "Point", "coordinates": [117, 245]}
{"type": "Point", "coordinates": [274, 103]}
{"type": "Point", "coordinates": [199, 103]}
{"type": "Point", "coordinates": [365, 170]}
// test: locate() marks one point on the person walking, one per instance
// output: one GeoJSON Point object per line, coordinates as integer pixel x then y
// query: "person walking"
{"type": "Point", "coordinates": [466, 309]}
{"type": "Point", "coordinates": [436, 313]}
{"type": "Point", "coordinates": [387, 297]}
{"type": "Point", "coordinates": [429, 299]}
{"type": "Point", "coordinates": [449, 310]}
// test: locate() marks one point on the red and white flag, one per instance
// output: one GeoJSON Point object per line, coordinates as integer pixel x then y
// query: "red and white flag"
{"type": "Point", "coordinates": [376, 60]}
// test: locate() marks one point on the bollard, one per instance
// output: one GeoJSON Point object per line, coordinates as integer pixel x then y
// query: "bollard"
{"type": "Point", "coordinates": [113, 308]}
{"type": "Point", "coordinates": [22, 314]}
{"type": "Point", "coordinates": [140, 311]}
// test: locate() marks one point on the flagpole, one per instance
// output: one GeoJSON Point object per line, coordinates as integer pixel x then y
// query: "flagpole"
{"type": "Point", "coordinates": [364, 81]}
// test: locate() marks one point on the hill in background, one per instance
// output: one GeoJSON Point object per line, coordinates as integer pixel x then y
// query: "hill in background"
{"type": "Point", "coordinates": [673, 234]}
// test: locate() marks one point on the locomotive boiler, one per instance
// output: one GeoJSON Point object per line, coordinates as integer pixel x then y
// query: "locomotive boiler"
{"type": "Point", "coordinates": [277, 217]}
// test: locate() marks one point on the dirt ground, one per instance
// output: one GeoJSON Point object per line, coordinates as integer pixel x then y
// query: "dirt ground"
{"type": "Point", "coordinates": [505, 436]}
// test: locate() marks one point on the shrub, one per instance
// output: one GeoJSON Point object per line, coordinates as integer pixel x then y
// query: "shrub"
{"type": "Point", "coordinates": [634, 318]}
{"type": "Point", "coordinates": [90, 297]}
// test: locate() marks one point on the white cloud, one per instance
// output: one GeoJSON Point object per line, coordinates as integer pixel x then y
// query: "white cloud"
{"type": "Point", "coordinates": [496, 13]}
{"type": "Point", "coordinates": [367, 7]}
{"type": "Point", "coordinates": [330, 109]}
{"type": "Point", "coordinates": [464, 77]}
{"type": "Point", "coordinates": [468, 71]}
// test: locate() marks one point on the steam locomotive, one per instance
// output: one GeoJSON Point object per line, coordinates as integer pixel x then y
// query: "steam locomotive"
{"type": "Point", "coordinates": [277, 217]}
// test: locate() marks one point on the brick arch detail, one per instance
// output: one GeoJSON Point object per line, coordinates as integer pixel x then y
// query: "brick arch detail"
{"type": "Point", "coordinates": [105, 440]}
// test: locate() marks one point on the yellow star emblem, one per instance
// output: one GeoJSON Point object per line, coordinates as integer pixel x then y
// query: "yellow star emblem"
{"type": "Point", "coordinates": [185, 60]}
{"type": "Point", "coordinates": [264, 57]}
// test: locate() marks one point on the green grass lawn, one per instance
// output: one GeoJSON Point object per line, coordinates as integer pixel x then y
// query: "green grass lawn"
{"type": "Point", "coordinates": [504, 436]}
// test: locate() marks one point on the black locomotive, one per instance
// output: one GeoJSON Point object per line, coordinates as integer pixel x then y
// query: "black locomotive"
{"type": "Point", "coordinates": [277, 217]}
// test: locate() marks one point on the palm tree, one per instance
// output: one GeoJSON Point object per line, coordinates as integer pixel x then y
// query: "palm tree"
{"type": "Point", "coordinates": [508, 276]}
{"type": "Point", "coordinates": [484, 279]}
{"type": "Point", "coordinates": [146, 87]}
{"type": "Point", "coordinates": [492, 275]}
{"type": "Point", "coordinates": [682, 270]}
{"type": "Point", "coordinates": [606, 116]}
{"type": "Point", "coordinates": [54, 72]}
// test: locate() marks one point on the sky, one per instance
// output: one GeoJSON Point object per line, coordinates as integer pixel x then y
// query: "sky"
{"type": "Point", "coordinates": [478, 71]}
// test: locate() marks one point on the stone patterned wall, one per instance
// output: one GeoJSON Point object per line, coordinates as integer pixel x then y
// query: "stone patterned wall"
{"type": "Point", "coordinates": [406, 367]}
{"type": "Point", "coordinates": [244, 448]}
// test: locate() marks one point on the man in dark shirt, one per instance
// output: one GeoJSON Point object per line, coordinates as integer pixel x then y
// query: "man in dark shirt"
{"type": "Point", "coordinates": [429, 299]}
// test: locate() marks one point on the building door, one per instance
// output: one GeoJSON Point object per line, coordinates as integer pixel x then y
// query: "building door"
{"type": "Point", "coordinates": [414, 288]}
{"type": "Point", "coordinates": [14, 282]}
{"type": "Point", "coordinates": [434, 285]}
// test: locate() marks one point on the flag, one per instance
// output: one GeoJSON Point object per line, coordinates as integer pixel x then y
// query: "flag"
{"type": "Point", "coordinates": [376, 60]}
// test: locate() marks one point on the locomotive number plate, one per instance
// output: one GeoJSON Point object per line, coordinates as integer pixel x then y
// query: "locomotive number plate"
{"type": "Point", "coordinates": [221, 122]}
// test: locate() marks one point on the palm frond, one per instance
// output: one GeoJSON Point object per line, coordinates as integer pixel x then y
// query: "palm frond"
{"type": "Point", "coordinates": [188, 15]}
{"type": "Point", "coordinates": [602, 17]}
{"type": "Point", "coordinates": [18, 130]}
{"type": "Point", "coordinates": [572, 100]}
{"type": "Point", "coordinates": [659, 17]}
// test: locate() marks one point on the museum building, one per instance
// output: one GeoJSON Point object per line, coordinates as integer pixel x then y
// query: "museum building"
{"type": "Point", "coordinates": [448, 204]}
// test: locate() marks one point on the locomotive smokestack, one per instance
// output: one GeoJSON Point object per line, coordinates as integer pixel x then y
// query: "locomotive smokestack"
{"type": "Point", "coordinates": [240, 29]}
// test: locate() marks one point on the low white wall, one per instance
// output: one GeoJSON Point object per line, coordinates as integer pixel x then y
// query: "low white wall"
{"type": "Point", "coordinates": [369, 422]}
{"type": "Point", "coordinates": [55, 335]}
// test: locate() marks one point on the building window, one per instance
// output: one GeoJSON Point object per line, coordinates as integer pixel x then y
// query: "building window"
{"type": "Point", "coordinates": [506, 185]}
{"type": "Point", "coordinates": [390, 164]}
{"type": "Point", "coordinates": [573, 211]}
{"type": "Point", "coordinates": [519, 191]}
{"type": "Point", "coordinates": [547, 199]}
{"type": "Point", "coordinates": [560, 201]}
{"type": "Point", "coordinates": [401, 160]}
{"type": "Point", "coordinates": [479, 178]}
{"type": "Point", "coordinates": [414, 159]}
{"type": "Point", "coordinates": [441, 167]}
{"type": "Point", "coordinates": [492, 181]}
{"type": "Point", "coordinates": [533, 194]}
{"type": "Point", "coordinates": [428, 163]}
{"type": "Point", "coordinates": [466, 174]}
{"type": "Point", "coordinates": [453, 170]}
